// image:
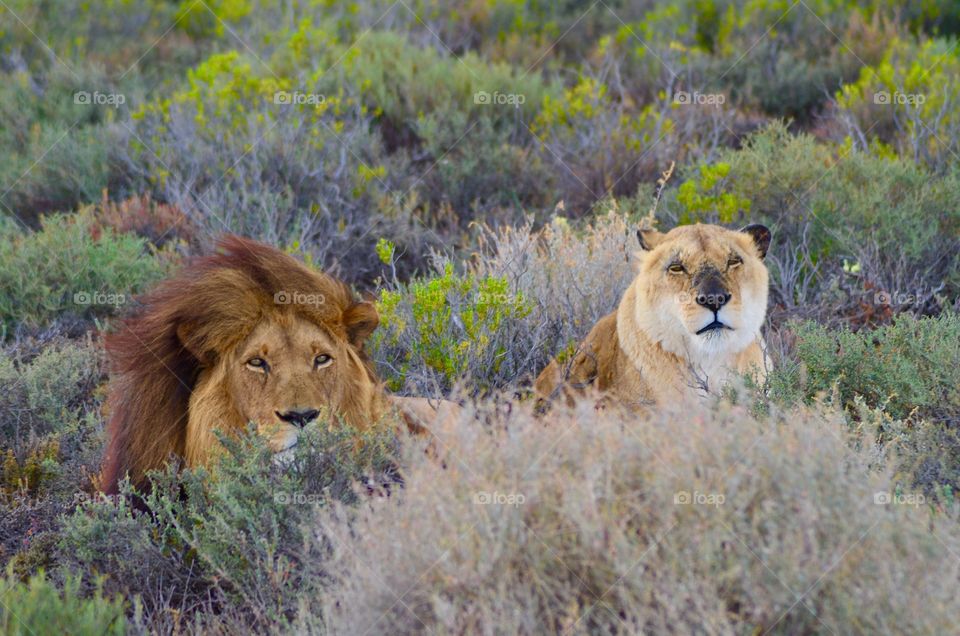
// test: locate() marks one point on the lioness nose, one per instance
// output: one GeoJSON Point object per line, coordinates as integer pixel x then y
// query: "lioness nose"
{"type": "Point", "coordinates": [713, 299]}
{"type": "Point", "coordinates": [299, 418]}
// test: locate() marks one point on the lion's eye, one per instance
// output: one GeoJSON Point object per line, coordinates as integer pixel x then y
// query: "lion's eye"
{"type": "Point", "coordinates": [676, 268]}
{"type": "Point", "coordinates": [734, 261]}
{"type": "Point", "coordinates": [322, 360]}
{"type": "Point", "coordinates": [258, 363]}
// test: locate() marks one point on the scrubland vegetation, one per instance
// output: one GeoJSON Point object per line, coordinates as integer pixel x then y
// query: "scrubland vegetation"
{"type": "Point", "coordinates": [480, 168]}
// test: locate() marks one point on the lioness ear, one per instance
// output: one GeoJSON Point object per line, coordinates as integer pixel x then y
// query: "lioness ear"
{"type": "Point", "coordinates": [360, 320]}
{"type": "Point", "coordinates": [761, 237]}
{"type": "Point", "coordinates": [649, 238]}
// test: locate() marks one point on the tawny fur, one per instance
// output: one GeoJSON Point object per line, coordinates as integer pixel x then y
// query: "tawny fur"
{"type": "Point", "coordinates": [180, 365]}
{"type": "Point", "coordinates": [647, 352]}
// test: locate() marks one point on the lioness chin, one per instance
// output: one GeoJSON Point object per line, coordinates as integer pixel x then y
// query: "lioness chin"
{"type": "Point", "coordinates": [688, 323]}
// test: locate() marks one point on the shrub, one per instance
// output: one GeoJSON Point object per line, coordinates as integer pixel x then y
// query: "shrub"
{"type": "Point", "coordinates": [62, 269]}
{"type": "Point", "coordinates": [599, 146]}
{"type": "Point", "coordinates": [910, 99]}
{"type": "Point", "coordinates": [109, 34]}
{"type": "Point", "coordinates": [50, 443]}
{"type": "Point", "coordinates": [702, 196]}
{"type": "Point", "coordinates": [305, 174]}
{"type": "Point", "coordinates": [460, 123]}
{"type": "Point", "coordinates": [436, 329]}
{"type": "Point", "coordinates": [912, 365]}
{"type": "Point", "coordinates": [406, 85]}
{"type": "Point", "coordinates": [44, 392]}
{"type": "Point", "coordinates": [40, 607]}
{"type": "Point", "coordinates": [232, 542]}
{"type": "Point", "coordinates": [898, 383]}
{"type": "Point", "coordinates": [57, 151]}
{"type": "Point", "coordinates": [160, 223]}
{"type": "Point", "coordinates": [693, 519]}
{"type": "Point", "coordinates": [526, 297]}
{"type": "Point", "coordinates": [761, 55]}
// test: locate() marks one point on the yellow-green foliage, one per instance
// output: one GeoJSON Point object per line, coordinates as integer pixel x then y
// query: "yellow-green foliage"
{"type": "Point", "coordinates": [911, 99]}
{"type": "Point", "coordinates": [447, 320]}
{"type": "Point", "coordinates": [385, 251]}
{"type": "Point", "coordinates": [211, 17]}
{"type": "Point", "coordinates": [229, 86]}
{"type": "Point", "coordinates": [29, 474]}
{"type": "Point", "coordinates": [39, 607]}
{"type": "Point", "coordinates": [587, 101]}
{"type": "Point", "coordinates": [703, 197]}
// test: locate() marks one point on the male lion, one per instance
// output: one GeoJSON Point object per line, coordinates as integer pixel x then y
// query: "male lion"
{"type": "Point", "coordinates": [690, 319]}
{"type": "Point", "coordinates": [245, 335]}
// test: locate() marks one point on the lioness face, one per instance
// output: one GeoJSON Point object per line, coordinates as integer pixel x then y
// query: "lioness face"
{"type": "Point", "coordinates": [286, 372]}
{"type": "Point", "coordinates": [703, 288]}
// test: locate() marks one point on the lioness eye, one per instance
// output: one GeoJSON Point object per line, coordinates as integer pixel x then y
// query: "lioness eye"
{"type": "Point", "coordinates": [733, 262]}
{"type": "Point", "coordinates": [322, 360]}
{"type": "Point", "coordinates": [676, 268]}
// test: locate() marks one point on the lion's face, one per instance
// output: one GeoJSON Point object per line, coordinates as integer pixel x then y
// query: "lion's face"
{"type": "Point", "coordinates": [285, 375]}
{"type": "Point", "coordinates": [702, 289]}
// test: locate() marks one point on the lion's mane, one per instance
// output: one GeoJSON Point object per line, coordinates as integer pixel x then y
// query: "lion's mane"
{"type": "Point", "coordinates": [206, 310]}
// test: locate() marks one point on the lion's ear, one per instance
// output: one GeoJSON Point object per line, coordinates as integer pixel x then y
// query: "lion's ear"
{"type": "Point", "coordinates": [360, 320]}
{"type": "Point", "coordinates": [761, 237]}
{"type": "Point", "coordinates": [191, 340]}
{"type": "Point", "coordinates": [649, 238]}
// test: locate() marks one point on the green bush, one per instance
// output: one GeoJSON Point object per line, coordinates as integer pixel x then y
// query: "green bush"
{"type": "Point", "coordinates": [41, 408]}
{"type": "Point", "coordinates": [43, 391]}
{"type": "Point", "coordinates": [235, 541]}
{"type": "Point", "coordinates": [589, 134]}
{"type": "Point", "coordinates": [445, 326]}
{"type": "Point", "coordinates": [910, 368]}
{"type": "Point", "coordinates": [910, 100]}
{"type": "Point", "coordinates": [63, 269]}
{"type": "Point", "coordinates": [40, 607]}
{"type": "Point", "coordinates": [406, 85]}
{"type": "Point", "coordinates": [899, 385]}
{"type": "Point", "coordinates": [56, 150]}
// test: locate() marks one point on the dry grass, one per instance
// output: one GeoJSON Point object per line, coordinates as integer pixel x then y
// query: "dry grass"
{"type": "Point", "coordinates": [590, 536]}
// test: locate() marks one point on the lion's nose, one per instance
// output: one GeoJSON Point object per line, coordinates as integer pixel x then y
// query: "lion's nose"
{"type": "Point", "coordinates": [713, 298]}
{"type": "Point", "coordinates": [300, 417]}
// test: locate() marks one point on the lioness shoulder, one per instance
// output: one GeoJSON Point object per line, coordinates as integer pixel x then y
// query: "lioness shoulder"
{"type": "Point", "coordinates": [689, 321]}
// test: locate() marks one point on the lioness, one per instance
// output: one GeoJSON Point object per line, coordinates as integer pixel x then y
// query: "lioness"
{"type": "Point", "coordinates": [689, 321]}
